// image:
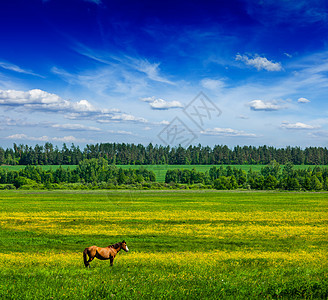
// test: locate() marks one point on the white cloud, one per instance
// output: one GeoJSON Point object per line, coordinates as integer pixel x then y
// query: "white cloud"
{"type": "Point", "coordinates": [212, 84]}
{"type": "Point", "coordinates": [259, 63]}
{"type": "Point", "coordinates": [123, 132]}
{"type": "Point", "coordinates": [38, 100]}
{"type": "Point", "coordinates": [15, 68]}
{"type": "Point", "coordinates": [288, 55]}
{"type": "Point", "coordinates": [125, 64]}
{"type": "Point", "coordinates": [118, 118]}
{"type": "Point", "coordinates": [303, 100]}
{"type": "Point", "coordinates": [68, 139]}
{"type": "Point", "coordinates": [259, 105]}
{"type": "Point", "coordinates": [150, 69]}
{"type": "Point", "coordinates": [161, 104]}
{"type": "Point", "coordinates": [127, 117]}
{"type": "Point", "coordinates": [148, 99]}
{"type": "Point", "coordinates": [164, 122]}
{"type": "Point", "coordinates": [17, 136]}
{"type": "Point", "coordinates": [75, 127]}
{"type": "Point", "coordinates": [115, 76]}
{"type": "Point", "coordinates": [297, 125]}
{"type": "Point", "coordinates": [227, 132]}
{"type": "Point", "coordinates": [65, 139]}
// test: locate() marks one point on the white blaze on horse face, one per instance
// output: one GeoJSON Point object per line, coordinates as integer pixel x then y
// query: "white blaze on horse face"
{"type": "Point", "coordinates": [127, 249]}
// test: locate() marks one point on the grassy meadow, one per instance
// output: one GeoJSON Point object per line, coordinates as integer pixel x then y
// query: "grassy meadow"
{"type": "Point", "coordinates": [183, 245]}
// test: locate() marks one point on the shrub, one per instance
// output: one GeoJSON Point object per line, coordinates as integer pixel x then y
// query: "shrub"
{"type": "Point", "coordinates": [21, 182]}
{"type": "Point", "coordinates": [7, 187]}
{"type": "Point", "coordinates": [221, 183]}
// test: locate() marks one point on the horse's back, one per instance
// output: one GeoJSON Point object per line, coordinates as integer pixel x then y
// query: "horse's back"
{"type": "Point", "coordinates": [92, 250]}
{"type": "Point", "coordinates": [101, 253]}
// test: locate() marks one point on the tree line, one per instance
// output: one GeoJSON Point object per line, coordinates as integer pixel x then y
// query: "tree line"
{"type": "Point", "coordinates": [97, 174]}
{"type": "Point", "coordinates": [90, 173]}
{"type": "Point", "coordinates": [271, 177]}
{"type": "Point", "coordinates": [131, 154]}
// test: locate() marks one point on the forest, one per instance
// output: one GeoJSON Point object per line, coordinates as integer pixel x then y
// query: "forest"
{"type": "Point", "coordinates": [131, 154]}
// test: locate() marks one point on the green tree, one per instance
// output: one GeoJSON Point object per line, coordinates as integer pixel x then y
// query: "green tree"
{"type": "Point", "coordinates": [233, 183]}
{"type": "Point", "coordinates": [316, 185]}
{"type": "Point", "coordinates": [259, 182]}
{"type": "Point", "coordinates": [221, 183]}
{"type": "Point", "coordinates": [273, 168]}
{"type": "Point", "coordinates": [21, 181]}
{"type": "Point", "coordinates": [325, 184]}
{"type": "Point", "coordinates": [270, 182]}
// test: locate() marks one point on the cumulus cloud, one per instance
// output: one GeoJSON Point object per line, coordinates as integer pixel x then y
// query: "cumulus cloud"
{"type": "Point", "coordinates": [260, 63]}
{"type": "Point", "coordinates": [298, 125]}
{"type": "Point", "coordinates": [260, 105]}
{"type": "Point", "coordinates": [38, 100]}
{"type": "Point", "coordinates": [303, 100]}
{"type": "Point", "coordinates": [128, 117]}
{"type": "Point", "coordinates": [212, 84]}
{"type": "Point", "coordinates": [160, 104]}
{"type": "Point", "coordinates": [229, 132]}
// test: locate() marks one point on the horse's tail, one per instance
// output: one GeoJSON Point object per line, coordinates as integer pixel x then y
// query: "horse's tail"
{"type": "Point", "coordinates": [85, 258]}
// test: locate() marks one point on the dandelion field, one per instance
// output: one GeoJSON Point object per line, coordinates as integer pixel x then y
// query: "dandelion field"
{"type": "Point", "coordinates": [183, 244]}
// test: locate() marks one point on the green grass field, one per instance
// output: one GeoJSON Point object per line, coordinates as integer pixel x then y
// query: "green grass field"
{"type": "Point", "coordinates": [183, 245]}
{"type": "Point", "coordinates": [160, 170]}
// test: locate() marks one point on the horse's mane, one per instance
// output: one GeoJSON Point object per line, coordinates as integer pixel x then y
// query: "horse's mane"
{"type": "Point", "coordinates": [115, 246]}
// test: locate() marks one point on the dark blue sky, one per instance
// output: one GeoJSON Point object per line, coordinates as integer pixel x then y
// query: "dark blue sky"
{"type": "Point", "coordinates": [96, 71]}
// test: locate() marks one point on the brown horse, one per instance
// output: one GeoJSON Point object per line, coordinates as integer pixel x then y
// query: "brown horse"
{"type": "Point", "coordinates": [103, 253]}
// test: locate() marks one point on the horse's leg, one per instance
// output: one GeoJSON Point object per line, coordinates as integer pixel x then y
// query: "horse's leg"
{"type": "Point", "coordinates": [111, 261]}
{"type": "Point", "coordinates": [87, 253]}
{"type": "Point", "coordinates": [91, 258]}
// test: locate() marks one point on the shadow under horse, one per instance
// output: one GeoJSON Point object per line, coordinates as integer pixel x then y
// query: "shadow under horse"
{"type": "Point", "coordinates": [103, 253]}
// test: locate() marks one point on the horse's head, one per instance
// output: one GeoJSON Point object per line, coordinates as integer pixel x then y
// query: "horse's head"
{"type": "Point", "coordinates": [125, 247]}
